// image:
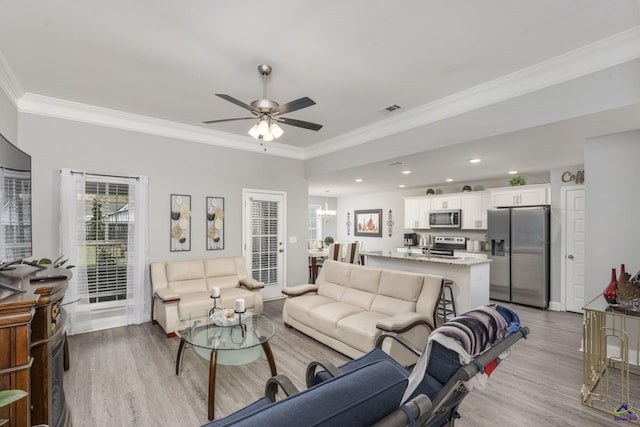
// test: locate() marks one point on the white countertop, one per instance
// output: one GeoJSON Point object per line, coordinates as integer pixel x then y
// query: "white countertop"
{"type": "Point", "coordinates": [423, 258]}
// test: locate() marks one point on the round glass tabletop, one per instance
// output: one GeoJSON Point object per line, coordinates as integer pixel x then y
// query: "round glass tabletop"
{"type": "Point", "coordinates": [205, 335]}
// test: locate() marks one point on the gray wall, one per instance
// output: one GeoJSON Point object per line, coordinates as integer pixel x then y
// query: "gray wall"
{"type": "Point", "coordinates": [8, 118]}
{"type": "Point", "coordinates": [612, 207]}
{"type": "Point", "coordinates": [385, 201]}
{"type": "Point", "coordinates": [173, 167]}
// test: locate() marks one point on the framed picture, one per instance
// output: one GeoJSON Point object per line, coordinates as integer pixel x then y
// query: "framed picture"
{"type": "Point", "coordinates": [180, 240]}
{"type": "Point", "coordinates": [367, 223]}
{"type": "Point", "coordinates": [215, 223]}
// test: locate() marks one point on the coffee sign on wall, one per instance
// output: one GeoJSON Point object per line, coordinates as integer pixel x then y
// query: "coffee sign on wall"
{"type": "Point", "coordinates": [577, 178]}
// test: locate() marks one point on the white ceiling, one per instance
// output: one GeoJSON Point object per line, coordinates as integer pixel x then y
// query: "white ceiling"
{"type": "Point", "coordinates": [165, 60]}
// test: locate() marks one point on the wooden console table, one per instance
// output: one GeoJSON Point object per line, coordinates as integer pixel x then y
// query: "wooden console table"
{"type": "Point", "coordinates": [33, 327]}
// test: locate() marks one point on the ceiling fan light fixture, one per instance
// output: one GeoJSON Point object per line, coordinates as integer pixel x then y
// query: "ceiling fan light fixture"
{"type": "Point", "coordinates": [254, 131]}
{"type": "Point", "coordinates": [265, 110]}
{"type": "Point", "coordinates": [275, 130]}
{"type": "Point", "coordinates": [263, 126]}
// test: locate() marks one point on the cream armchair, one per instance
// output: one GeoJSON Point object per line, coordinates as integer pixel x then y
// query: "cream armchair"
{"type": "Point", "coordinates": [183, 287]}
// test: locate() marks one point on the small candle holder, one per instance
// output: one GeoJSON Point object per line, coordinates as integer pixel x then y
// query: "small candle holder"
{"type": "Point", "coordinates": [215, 305]}
{"type": "Point", "coordinates": [242, 326]}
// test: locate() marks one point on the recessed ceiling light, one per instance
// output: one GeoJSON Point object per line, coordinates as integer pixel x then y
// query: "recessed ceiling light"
{"type": "Point", "coordinates": [358, 180]}
{"type": "Point", "coordinates": [512, 172]}
{"type": "Point", "coordinates": [406, 172]}
{"type": "Point", "coordinates": [449, 179]}
{"type": "Point", "coordinates": [475, 160]}
{"type": "Point", "coordinates": [401, 185]}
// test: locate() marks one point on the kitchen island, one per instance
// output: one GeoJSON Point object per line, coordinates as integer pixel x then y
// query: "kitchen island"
{"type": "Point", "coordinates": [470, 276]}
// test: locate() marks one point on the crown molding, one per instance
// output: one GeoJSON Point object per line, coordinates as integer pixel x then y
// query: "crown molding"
{"type": "Point", "coordinates": [605, 53]}
{"type": "Point", "coordinates": [68, 110]}
{"type": "Point", "coordinates": [8, 82]}
{"type": "Point", "coordinates": [597, 56]}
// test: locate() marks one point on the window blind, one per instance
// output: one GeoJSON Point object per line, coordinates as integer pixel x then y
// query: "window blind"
{"type": "Point", "coordinates": [264, 241]}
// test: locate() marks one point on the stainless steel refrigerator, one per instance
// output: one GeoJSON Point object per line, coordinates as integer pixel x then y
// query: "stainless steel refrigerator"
{"type": "Point", "coordinates": [519, 249]}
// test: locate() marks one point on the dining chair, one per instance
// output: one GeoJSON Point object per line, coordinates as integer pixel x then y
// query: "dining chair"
{"type": "Point", "coordinates": [353, 251]}
{"type": "Point", "coordinates": [314, 245]}
{"type": "Point", "coordinates": [335, 251]}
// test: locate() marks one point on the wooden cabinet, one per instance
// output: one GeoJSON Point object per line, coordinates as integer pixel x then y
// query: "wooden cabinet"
{"type": "Point", "coordinates": [416, 212]}
{"type": "Point", "coordinates": [32, 325]}
{"type": "Point", "coordinates": [439, 203]}
{"type": "Point", "coordinates": [527, 195]}
{"type": "Point", "coordinates": [16, 313]}
{"type": "Point", "coordinates": [474, 210]}
{"type": "Point", "coordinates": [47, 349]}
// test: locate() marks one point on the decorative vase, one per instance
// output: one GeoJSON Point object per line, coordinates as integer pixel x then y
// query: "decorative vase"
{"type": "Point", "coordinates": [621, 274]}
{"type": "Point", "coordinates": [610, 292]}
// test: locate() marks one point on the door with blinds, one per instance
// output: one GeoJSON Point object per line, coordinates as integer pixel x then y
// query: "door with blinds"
{"type": "Point", "coordinates": [263, 239]}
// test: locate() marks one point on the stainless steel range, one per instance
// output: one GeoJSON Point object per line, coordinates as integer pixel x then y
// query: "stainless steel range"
{"type": "Point", "coordinates": [445, 245]}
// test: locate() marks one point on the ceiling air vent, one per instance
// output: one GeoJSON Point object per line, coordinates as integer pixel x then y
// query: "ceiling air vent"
{"type": "Point", "coordinates": [398, 163]}
{"type": "Point", "coordinates": [391, 108]}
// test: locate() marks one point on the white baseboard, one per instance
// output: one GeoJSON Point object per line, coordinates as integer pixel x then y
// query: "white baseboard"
{"type": "Point", "coordinates": [106, 318]}
{"type": "Point", "coordinates": [555, 306]}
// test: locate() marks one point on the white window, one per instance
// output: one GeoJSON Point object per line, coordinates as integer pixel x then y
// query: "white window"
{"type": "Point", "coordinates": [315, 223]}
{"type": "Point", "coordinates": [103, 224]}
{"type": "Point", "coordinates": [106, 224]}
{"type": "Point", "coordinates": [15, 214]}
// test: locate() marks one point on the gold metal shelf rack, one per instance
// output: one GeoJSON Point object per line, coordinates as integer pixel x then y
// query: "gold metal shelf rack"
{"type": "Point", "coordinates": [611, 381]}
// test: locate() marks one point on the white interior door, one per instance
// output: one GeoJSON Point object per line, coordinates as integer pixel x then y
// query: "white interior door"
{"type": "Point", "coordinates": [573, 258]}
{"type": "Point", "coordinates": [263, 239]}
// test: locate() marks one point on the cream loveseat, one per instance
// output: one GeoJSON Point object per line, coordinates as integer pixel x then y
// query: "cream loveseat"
{"type": "Point", "coordinates": [182, 287]}
{"type": "Point", "coordinates": [351, 305]}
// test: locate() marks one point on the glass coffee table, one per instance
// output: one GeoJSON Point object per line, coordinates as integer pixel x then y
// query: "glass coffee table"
{"type": "Point", "coordinates": [225, 345]}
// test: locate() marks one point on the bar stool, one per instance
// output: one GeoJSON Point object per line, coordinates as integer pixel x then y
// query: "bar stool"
{"type": "Point", "coordinates": [447, 303]}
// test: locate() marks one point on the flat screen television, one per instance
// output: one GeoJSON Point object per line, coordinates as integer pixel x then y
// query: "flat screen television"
{"type": "Point", "coordinates": [15, 204]}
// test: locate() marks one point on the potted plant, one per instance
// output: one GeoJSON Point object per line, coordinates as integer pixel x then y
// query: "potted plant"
{"type": "Point", "coordinates": [57, 263]}
{"type": "Point", "coordinates": [328, 240]}
{"type": "Point", "coordinates": [518, 180]}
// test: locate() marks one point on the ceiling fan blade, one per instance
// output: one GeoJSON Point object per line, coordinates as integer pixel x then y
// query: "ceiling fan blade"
{"type": "Point", "coordinates": [295, 105]}
{"type": "Point", "coordinates": [229, 120]}
{"type": "Point", "coordinates": [235, 101]}
{"type": "Point", "coordinates": [299, 123]}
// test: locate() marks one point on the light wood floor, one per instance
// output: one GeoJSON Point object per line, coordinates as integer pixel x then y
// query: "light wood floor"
{"type": "Point", "coordinates": [126, 377]}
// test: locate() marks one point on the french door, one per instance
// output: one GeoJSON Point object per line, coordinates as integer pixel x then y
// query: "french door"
{"type": "Point", "coordinates": [263, 239]}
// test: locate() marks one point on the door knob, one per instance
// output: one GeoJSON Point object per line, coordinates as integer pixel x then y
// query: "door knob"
{"type": "Point", "coordinates": [570, 256]}
{"type": "Point", "coordinates": [281, 250]}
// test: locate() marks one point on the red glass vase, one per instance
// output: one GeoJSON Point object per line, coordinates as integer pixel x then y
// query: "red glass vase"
{"type": "Point", "coordinates": [609, 292]}
{"type": "Point", "coordinates": [621, 274]}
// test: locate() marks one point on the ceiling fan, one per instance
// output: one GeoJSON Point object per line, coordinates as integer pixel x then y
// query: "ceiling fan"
{"type": "Point", "coordinates": [269, 112]}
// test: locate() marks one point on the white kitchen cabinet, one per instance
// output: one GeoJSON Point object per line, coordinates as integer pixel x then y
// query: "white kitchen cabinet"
{"type": "Point", "coordinates": [416, 212]}
{"type": "Point", "coordinates": [528, 195]}
{"type": "Point", "coordinates": [440, 203]}
{"type": "Point", "coordinates": [474, 210]}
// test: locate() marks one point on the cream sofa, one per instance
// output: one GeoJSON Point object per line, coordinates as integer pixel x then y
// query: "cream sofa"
{"type": "Point", "coordinates": [182, 287]}
{"type": "Point", "coordinates": [351, 305]}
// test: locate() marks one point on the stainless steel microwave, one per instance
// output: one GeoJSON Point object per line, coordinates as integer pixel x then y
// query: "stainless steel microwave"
{"type": "Point", "coordinates": [445, 219]}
